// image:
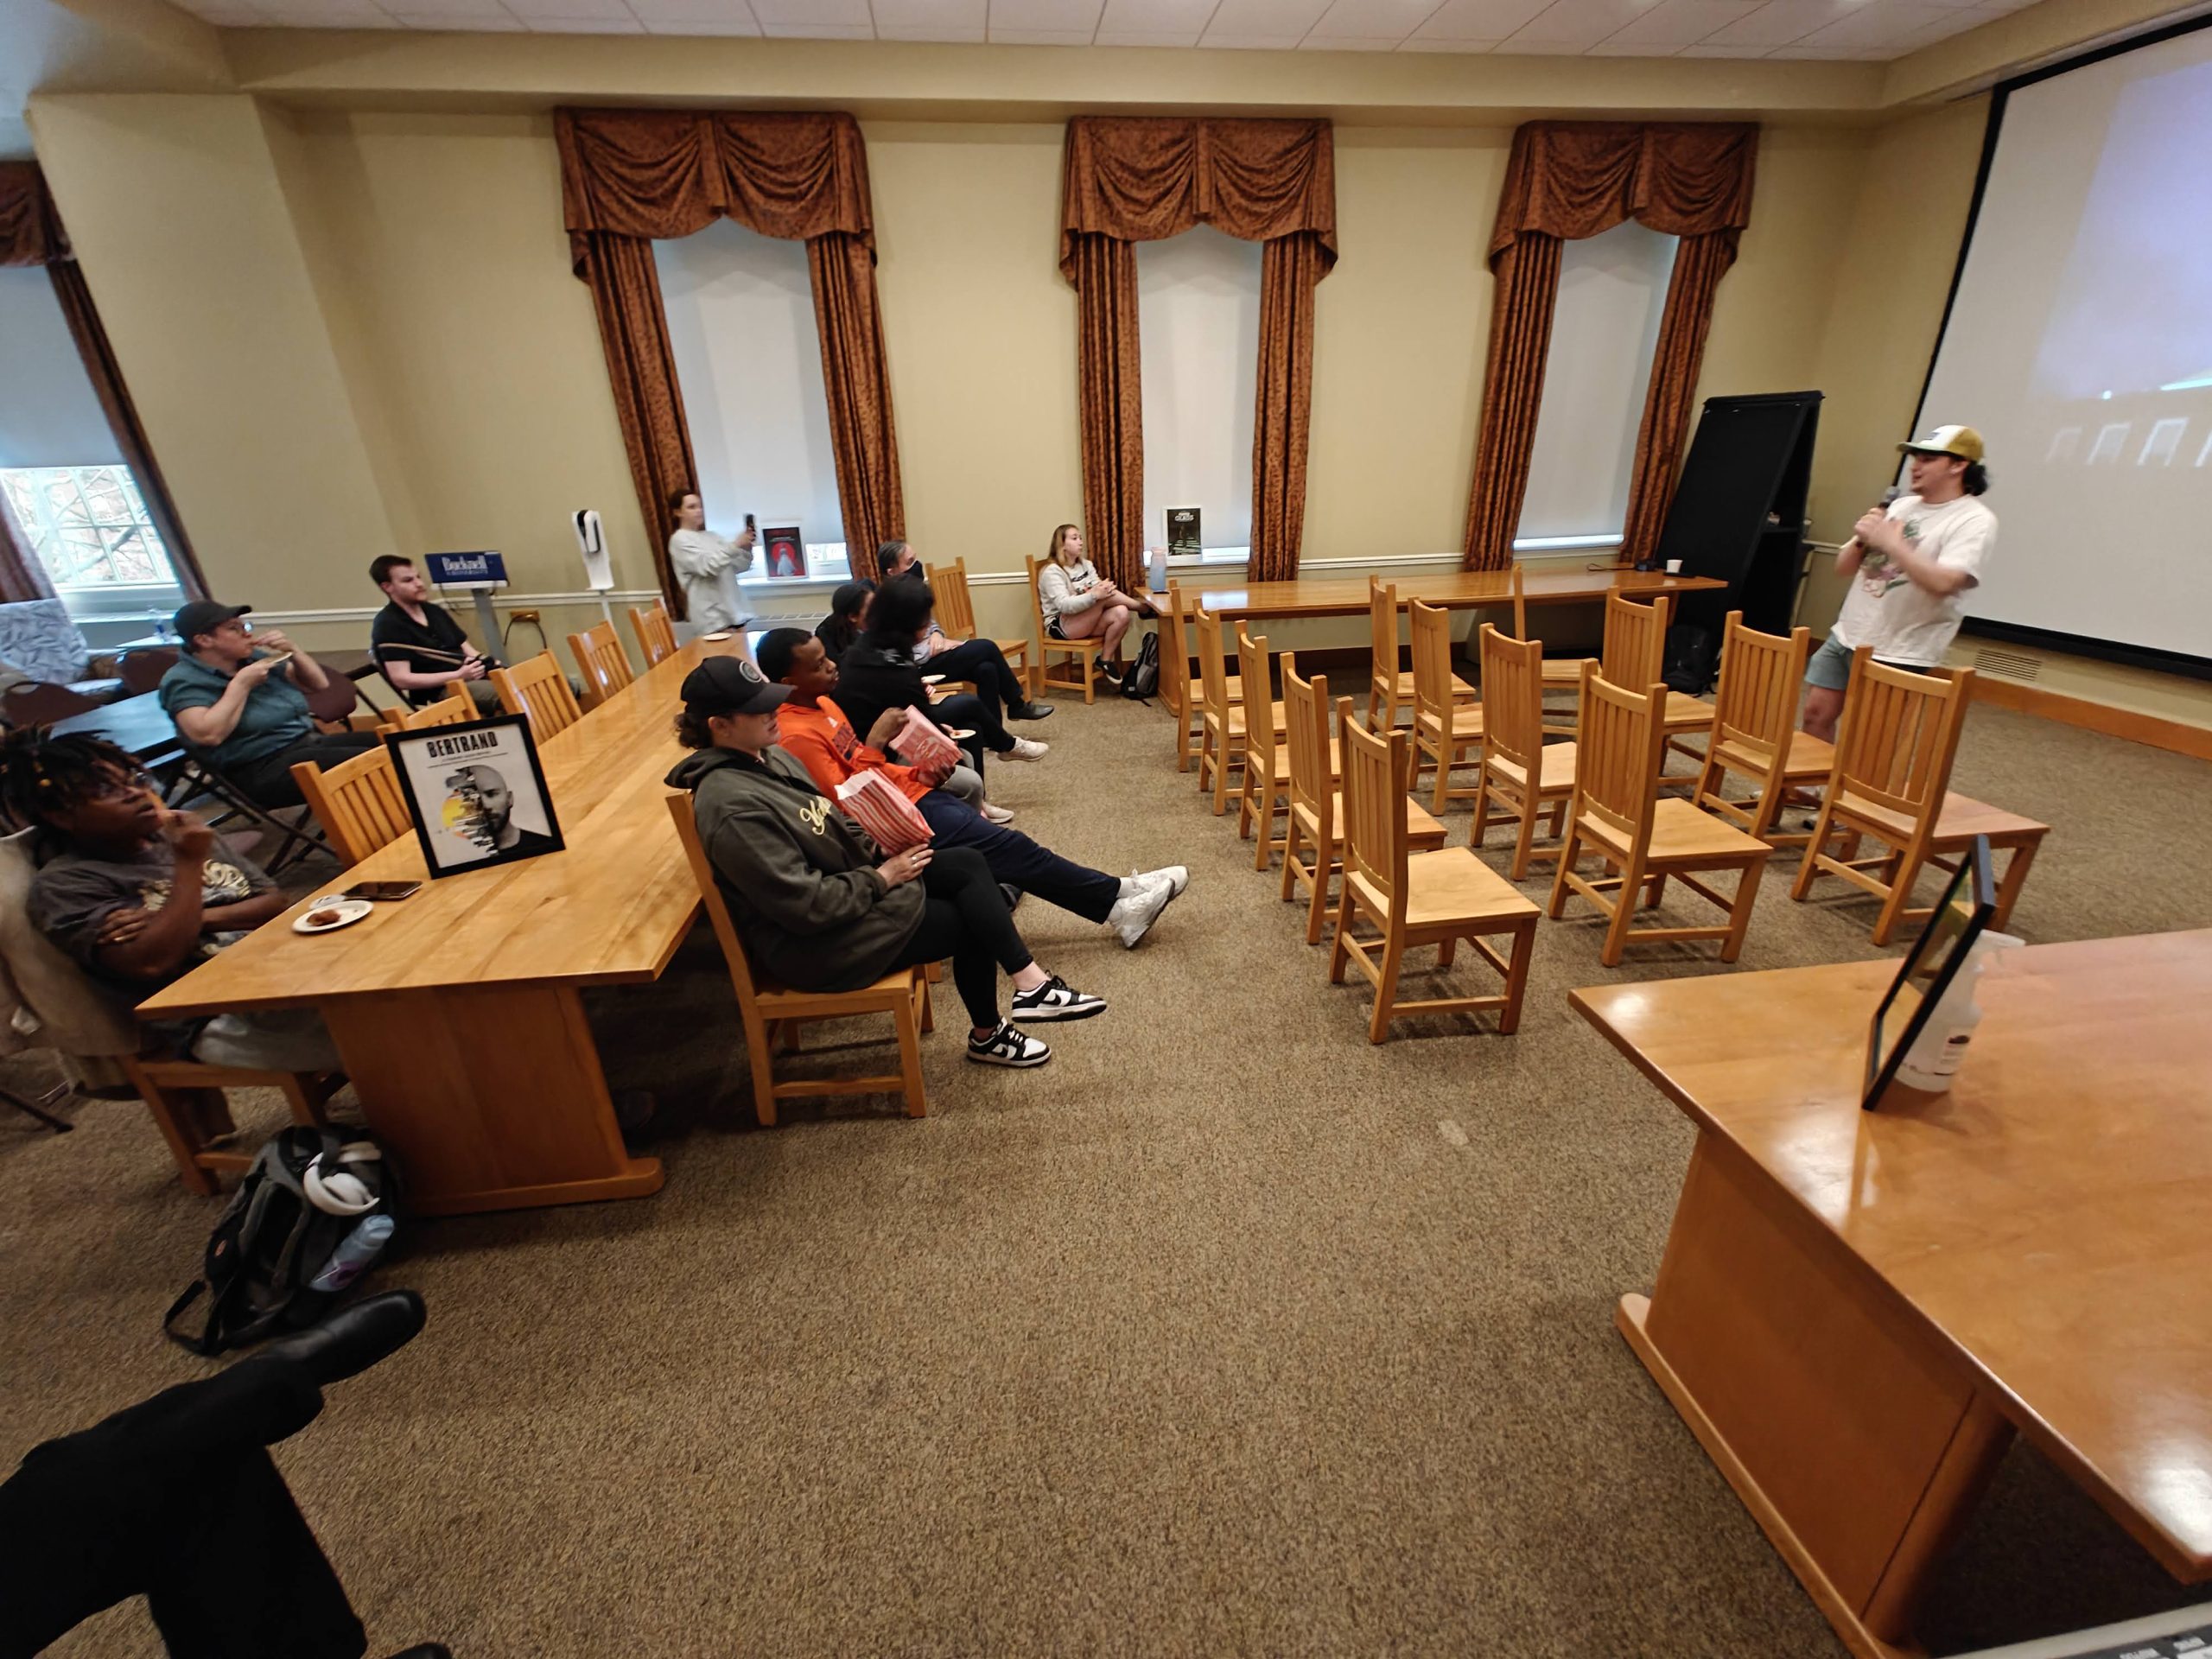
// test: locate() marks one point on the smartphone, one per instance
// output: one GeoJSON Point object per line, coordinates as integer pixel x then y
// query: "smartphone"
{"type": "Point", "coordinates": [383, 892]}
{"type": "Point", "coordinates": [748, 521]}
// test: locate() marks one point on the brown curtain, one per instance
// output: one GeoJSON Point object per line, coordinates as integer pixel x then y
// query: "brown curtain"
{"type": "Point", "coordinates": [1142, 179]}
{"type": "Point", "coordinates": [1111, 407]}
{"type": "Point", "coordinates": [31, 234]}
{"type": "Point", "coordinates": [1564, 181]}
{"type": "Point", "coordinates": [631, 177]}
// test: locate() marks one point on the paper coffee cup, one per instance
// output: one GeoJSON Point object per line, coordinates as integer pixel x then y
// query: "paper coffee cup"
{"type": "Point", "coordinates": [1674, 567]}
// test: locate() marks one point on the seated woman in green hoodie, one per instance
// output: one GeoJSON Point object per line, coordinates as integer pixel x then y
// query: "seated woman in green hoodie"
{"type": "Point", "coordinates": [817, 905]}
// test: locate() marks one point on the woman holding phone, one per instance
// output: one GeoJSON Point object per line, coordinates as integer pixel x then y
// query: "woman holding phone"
{"type": "Point", "coordinates": [707, 566]}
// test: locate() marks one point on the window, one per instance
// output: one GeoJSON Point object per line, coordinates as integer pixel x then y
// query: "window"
{"type": "Point", "coordinates": [748, 362]}
{"type": "Point", "coordinates": [73, 504]}
{"type": "Point", "coordinates": [87, 526]}
{"type": "Point", "coordinates": [1198, 327]}
{"type": "Point", "coordinates": [1613, 291]}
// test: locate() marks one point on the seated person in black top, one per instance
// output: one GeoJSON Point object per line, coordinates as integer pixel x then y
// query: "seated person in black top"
{"type": "Point", "coordinates": [880, 672]}
{"type": "Point", "coordinates": [139, 895]}
{"type": "Point", "coordinates": [980, 662]}
{"type": "Point", "coordinates": [848, 616]}
{"type": "Point", "coordinates": [418, 645]}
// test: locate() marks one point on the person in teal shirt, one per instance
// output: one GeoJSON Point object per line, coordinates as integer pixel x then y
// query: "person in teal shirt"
{"type": "Point", "coordinates": [236, 701]}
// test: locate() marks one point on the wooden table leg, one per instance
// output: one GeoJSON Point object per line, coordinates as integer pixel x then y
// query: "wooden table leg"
{"type": "Point", "coordinates": [1856, 1438]}
{"type": "Point", "coordinates": [494, 1099]}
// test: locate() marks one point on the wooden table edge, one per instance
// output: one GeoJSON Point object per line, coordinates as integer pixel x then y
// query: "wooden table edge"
{"type": "Point", "coordinates": [2171, 1553]}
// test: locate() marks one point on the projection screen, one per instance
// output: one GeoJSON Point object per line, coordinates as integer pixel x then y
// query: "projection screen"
{"type": "Point", "coordinates": [2079, 342]}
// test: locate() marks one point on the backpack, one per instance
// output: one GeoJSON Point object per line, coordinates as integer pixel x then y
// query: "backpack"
{"type": "Point", "coordinates": [306, 1194]}
{"type": "Point", "coordinates": [1142, 680]}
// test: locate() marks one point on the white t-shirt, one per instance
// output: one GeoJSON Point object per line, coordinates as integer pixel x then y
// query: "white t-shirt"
{"type": "Point", "coordinates": [1886, 609]}
{"type": "Point", "coordinates": [705, 565]}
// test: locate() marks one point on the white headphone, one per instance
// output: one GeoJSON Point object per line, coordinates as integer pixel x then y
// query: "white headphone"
{"type": "Point", "coordinates": [340, 1192]}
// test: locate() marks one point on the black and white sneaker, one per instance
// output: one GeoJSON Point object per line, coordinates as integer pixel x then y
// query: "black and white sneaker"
{"type": "Point", "coordinates": [1055, 1000]}
{"type": "Point", "coordinates": [1008, 1045]}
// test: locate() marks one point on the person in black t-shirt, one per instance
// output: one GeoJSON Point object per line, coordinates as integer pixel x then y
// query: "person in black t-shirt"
{"type": "Point", "coordinates": [418, 645]}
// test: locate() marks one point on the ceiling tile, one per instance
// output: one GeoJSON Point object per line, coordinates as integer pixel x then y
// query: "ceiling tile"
{"type": "Point", "coordinates": [1055, 16]}
{"type": "Point", "coordinates": [929, 14]}
{"type": "Point", "coordinates": [715, 28]}
{"type": "Point", "coordinates": [1346, 43]}
{"type": "Point", "coordinates": [725, 17]}
{"type": "Point", "coordinates": [1145, 37]}
{"type": "Point", "coordinates": [1373, 20]}
{"type": "Point", "coordinates": [942, 35]}
{"type": "Point", "coordinates": [586, 26]}
{"type": "Point", "coordinates": [329, 20]}
{"type": "Point", "coordinates": [818, 31]}
{"type": "Point", "coordinates": [1417, 44]}
{"type": "Point", "coordinates": [1680, 22]}
{"type": "Point", "coordinates": [1156, 18]}
{"type": "Point", "coordinates": [1780, 22]}
{"type": "Point", "coordinates": [537, 11]}
{"type": "Point", "coordinates": [1576, 24]}
{"type": "Point", "coordinates": [459, 22]}
{"type": "Point", "coordinates": [1828, 53]}
{"type": "Point", "coordinates": [1253, 20]}
{"type": "Point", "coordinates": [1250, 42]}
{"type": "Point", "coordinates": [1040, 36]}
{"type": "Point", "coordinates": [848, 13]}
{"type": "Point", "coordinates": [1725, 51]}
{"type": "Point", "coordinates": [1478, 20]}
{"type": "Point", "coordinates": [1887, 24]}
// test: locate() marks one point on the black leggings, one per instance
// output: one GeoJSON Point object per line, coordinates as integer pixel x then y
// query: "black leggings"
{"type": "Point", "coordinates": [964, 917]}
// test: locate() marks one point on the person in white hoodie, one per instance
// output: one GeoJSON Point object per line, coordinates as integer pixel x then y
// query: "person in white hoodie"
{"type": "Point", "coordinates": [707, 566]}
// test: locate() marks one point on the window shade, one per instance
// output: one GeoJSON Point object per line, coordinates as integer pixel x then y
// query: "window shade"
{"type": "Point", "coordinates": [1198, 324]}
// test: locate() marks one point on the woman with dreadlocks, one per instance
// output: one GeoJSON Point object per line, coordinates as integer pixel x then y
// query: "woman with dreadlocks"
{"type": "Point", "coordinates": [139, 895]}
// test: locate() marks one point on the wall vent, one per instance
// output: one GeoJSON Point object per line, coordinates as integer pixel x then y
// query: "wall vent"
{"type": "Point", "coordinates": [2006, 664]}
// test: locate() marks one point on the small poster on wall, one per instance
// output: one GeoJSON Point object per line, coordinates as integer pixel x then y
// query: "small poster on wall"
{"type": "Point", "coordinates": [1183, 531]}
{"type": "Point", "coordinates": [785, 554]}
{"type": "Point", "coordinates": [476, 793]}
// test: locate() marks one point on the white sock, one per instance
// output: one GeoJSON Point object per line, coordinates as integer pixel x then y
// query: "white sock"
{"type": "Point", "coordinates": [1129, 889]}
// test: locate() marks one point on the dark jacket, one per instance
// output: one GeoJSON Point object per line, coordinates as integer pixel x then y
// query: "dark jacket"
{"type": "Point", "coordinates": [799, 880]}
{"type": "Point", "coordinates": [877, 674]}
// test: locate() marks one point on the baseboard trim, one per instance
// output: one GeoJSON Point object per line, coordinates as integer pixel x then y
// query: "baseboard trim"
{"type": "Point", "coordinates": [2176, 736]}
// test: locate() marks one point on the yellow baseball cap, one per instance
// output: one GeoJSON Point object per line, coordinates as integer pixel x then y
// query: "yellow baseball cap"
{"type": "Point", "coordinates": [1960, 441]}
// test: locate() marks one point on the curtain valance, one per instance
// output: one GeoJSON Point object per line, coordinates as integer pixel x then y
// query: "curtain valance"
{"type": "Point", "coordinates": [1142, 179]}
{"type": "Point", "coordinates": [1577, 179]}
{"type": "Point", "coordinates": [30, 231]}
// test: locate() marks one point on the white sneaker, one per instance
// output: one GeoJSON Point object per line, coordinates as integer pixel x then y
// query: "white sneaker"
{"type": "Point", "coordinates": [1025, 748]}
{"type": "Point", "coordinates": [1008, 1045]}
{"type": "Point", "coordinates": [995, 814]}
{"type": "Point", "coordinates": [1174, 874]}
{"type": "Point", "coordinates": [1133, 917]}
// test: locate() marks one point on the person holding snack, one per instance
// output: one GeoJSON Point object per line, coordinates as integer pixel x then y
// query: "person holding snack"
{"type": "Point", "coordinates": [818, 904]}
{"type": "Point", "coordinates": [815, 734]}
{"type": "Point", "coordinates": [881, 671]}
{"type": "Point", "coordinates": [238, 705]}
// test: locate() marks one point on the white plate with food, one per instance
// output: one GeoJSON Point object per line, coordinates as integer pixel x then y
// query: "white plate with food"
{"type": "Point", "coordinates": [328, 915]}
{"type": "Point", "coordinates": [724, 634]}
{"type": "Point", "coordinates": [932, 679]}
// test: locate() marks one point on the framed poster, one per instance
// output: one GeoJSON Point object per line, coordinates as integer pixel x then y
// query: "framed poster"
{"type": "Point", "coordinates": [1967, 906]}
{"type": "Point", "coordinates": [1183, 536]}
{"type": "Point", "coordinates": [476, 793]}
{"type": "Point", "coordinates": [784, 553]}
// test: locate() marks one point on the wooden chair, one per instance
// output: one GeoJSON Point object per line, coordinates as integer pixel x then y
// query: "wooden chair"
{"type": "Point", "coordinates": [956, 613]}
{"type": "Point", "coordinates": [1316, 816]}
{"type": "Point", "coordinates": [1444, 728]}
{"type": "Point", "coordinates": [656, 633]}
{"type": "Point", "coordinates": [357, 801]}
{"type": "Point", "coordinates": [771, 1013]}
{"type": "Point", "coordinates": [1754, 721]}
{"type": "Point", "coordinates": [1416, 900]}
{"type": "Point", "coordinates": [1636, 654]}
{"type": "Point", "coordinates": [1389, 686]}
{"type": "Point", "coordinates": [1520, 770]}
{"type": "Point", "coordinates": [1086, 654]}
{"type": "Point", "coordinates": [456, 708]}
{"type": "Point", "coordinates": [1185, 696]}
{"type": "Point", "coordinates": [1267, 773]}
{"type": "Point", "coordinates": [1221, 737]}
{"type": "Point", "coordinates": [1890, 782]}
{"type": "Point", "coordinates": [535, 687]}
{"type": "Point", "coordinates": [1560, 673]}
{"type": "Point", "coordinates": [1618, 813]}
{"type": "Point", "coordinates": [188, 1105]}
{"type": "Point", "coordinates": [602, 661]}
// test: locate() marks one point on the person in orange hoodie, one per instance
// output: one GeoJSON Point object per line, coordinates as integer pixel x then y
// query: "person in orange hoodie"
{"type": "Point", "coordinates": [816, 734]}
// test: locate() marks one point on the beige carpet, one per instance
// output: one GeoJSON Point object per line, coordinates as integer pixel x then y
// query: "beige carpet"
{"type": "Point", "coordinates": [1225, 1333]}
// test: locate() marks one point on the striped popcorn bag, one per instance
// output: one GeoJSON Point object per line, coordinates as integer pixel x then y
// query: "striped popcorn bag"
{"type": "Point", "coordinates": [872, 801]}
{"type": "Point", "coordinates": [923, 745]}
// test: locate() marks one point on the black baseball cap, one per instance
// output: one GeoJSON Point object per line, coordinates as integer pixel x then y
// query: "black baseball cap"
{"type": "Point", "coordinates": [203, 616]}
{"type": "Point", "coordinates": [730, 685]}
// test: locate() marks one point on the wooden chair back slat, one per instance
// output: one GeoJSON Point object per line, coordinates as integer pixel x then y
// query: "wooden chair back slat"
{"type": "Point", "coordinates": [1259, 727]}
{"type": "Point", "coordinates": [1761, 676]}
{"type": "Point", "coordinates": [1619, 735]}
{"type": "Point", "coordinates": [1382, 636]}
{"type": "Point", "coordinates": [358, 803]}
{"type": "Point", "coordinates": [1513, 699]}
{"type": "Point", "coordinates": [538, 689]}
{"type": "Point", "coordinates": [1306, 738]}
{"type": "Point", "coordinates": [1635, 651]}
{"type": "Point", "coordinates": [1213, 668]}
{"type": "Point", "coordinates": [710, 895]}
{"type": "Point", "coordinates": [602, 661]}
{"type": "Point", "coordinates": [1376, 764]}
{"type": "Point", "coordinates": [457, 709]}
{"type": "Point", "coordinates": [1175, 655]}
{"type": "Point", "coordinates": [656, 634]}
{"type": "Point", "coordinates": [955, 606]}
{"type": "Point", "coordinates": [1900, 735]}
{"type": "Point", "coordinates": [1431, 631]}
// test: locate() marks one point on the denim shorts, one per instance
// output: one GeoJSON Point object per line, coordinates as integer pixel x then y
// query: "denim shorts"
{"type": "Point", "coordinates": [1829, 667]}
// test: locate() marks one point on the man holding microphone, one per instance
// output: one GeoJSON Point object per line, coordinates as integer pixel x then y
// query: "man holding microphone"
{"type": "Point", "coordinates": [1908, 565]}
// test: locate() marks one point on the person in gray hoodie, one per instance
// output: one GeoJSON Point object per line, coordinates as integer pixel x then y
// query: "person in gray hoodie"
{"type": "Point", "coordinates": [817, 905]}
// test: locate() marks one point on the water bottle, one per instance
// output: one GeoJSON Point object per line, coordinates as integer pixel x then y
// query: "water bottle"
{"type": "Point", "coordinates": [1934, 1058]}
{"type": "Point", "coordinates": [352, 1257]}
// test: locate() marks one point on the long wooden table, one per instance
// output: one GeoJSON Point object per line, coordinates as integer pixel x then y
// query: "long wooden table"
{"type": "Point", "coordinates": [1454, 589]}
{"type": "Point", "coordinates": [1857, 1311]}
{"type": "Point", "coordinates": [459, 1011]}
